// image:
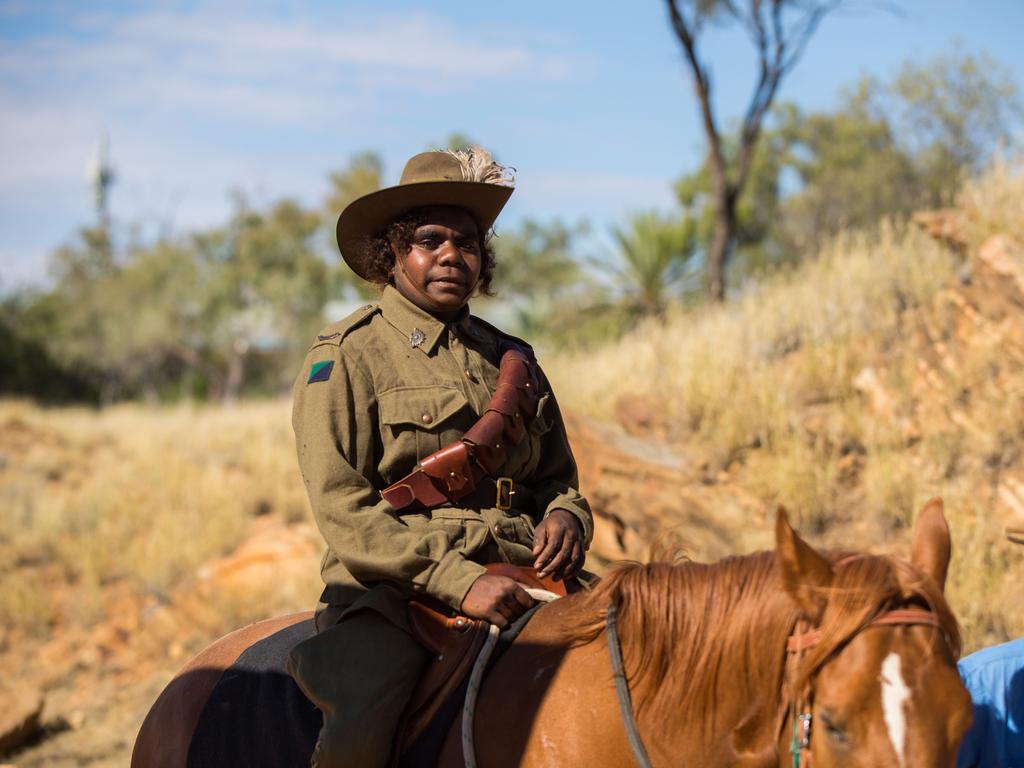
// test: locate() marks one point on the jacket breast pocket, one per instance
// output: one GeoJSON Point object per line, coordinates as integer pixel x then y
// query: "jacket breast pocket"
{"type": "Point", "coordinates": [420, 420]}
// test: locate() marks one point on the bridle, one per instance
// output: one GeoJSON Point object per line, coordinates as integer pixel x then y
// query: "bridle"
{"type": "Point", "coordinates": [797, 705]}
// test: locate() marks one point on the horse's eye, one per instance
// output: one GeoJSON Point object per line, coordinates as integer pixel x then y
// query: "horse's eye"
{"type": "Point", "coordinates": [835, 733]}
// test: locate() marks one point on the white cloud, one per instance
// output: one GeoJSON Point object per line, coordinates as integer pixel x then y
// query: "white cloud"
{"type": "Point", "coordinates": [230, 62]}
{"type": "Point", "coordinates": [419, 43]}
{"type": "Point", "coordinates": [158, 74]}
{"type": "Point", "coordinates": [197, 101]}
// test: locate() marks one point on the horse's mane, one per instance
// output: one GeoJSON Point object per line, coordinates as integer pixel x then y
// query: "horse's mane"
{"type": "Point", "coordinates": [683, 625]}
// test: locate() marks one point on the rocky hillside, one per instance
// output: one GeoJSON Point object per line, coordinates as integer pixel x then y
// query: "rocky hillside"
{"type": "Point", "coordinates": [886, 370]}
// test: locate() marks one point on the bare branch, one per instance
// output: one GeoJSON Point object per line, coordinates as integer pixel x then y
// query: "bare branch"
{"type": "Point", "coordinates": [804, 32]}
{"type": "Point", "coordinates": [760, 35]}
{"type": "Point", "coordinates": [780, 37]}
{"type": "Point", "coordinates": [769, 76]}
{"type": "Point", "coordinates": [788, 47]}
{"type": "Point", "coordinates": [703, 88]}
{"type": "Point", "coordinates": [751, 22]}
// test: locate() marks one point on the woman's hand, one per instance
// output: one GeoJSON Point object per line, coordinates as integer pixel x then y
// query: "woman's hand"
{"type": "Point", "coordinates": [497, 599]}
{"type": "Point", "coordinates": [558, 545]}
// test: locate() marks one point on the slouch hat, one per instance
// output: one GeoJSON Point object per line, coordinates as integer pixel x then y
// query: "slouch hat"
{"type": "Point", "coordinates": [469, 179]}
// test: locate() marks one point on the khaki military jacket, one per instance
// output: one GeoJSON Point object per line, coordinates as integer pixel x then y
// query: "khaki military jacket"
{"type": "Point", "coordinates": [381, 390]}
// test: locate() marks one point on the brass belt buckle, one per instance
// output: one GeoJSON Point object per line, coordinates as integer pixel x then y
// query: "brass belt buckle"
{"type": "Point", "coordinates": [503, 500]}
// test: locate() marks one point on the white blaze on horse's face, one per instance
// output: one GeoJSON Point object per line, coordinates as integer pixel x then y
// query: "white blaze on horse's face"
{"type": "Point", "coordinates": [895, 698]}
{"type": "Point", "coordinates": [891, 697]}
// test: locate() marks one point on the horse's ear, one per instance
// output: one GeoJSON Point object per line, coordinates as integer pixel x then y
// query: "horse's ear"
{"type": "Point", "coordinates": [806, 575]}
{"type": "Point", "coordinates": [930, 549]}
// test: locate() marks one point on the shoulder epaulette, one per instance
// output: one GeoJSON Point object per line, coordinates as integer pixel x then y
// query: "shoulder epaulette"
{"type": "Point", "coordinates": [336, 332]}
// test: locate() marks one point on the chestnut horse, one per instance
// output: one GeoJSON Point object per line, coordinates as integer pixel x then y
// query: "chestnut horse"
{"type": "Point", "coordinates": [870, 675]}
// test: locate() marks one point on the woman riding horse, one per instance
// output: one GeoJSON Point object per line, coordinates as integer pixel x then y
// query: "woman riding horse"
{"type": "Point", "coordinates": [422, 459]}
{"type": "Point", "coordinates": [756, 661]}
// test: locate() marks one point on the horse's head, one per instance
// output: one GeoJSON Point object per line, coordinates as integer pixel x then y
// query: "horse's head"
{"type": "Point", "coordinates": [879, 693]}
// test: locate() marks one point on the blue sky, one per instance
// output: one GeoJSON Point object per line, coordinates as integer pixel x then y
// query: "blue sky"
{"type": "Point", "coordinates": [590, 101]}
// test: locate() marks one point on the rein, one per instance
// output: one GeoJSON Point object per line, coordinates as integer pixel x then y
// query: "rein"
{"type": "Point", "coordinates": [799, 707]}
{"type": "Point", "coordinates": [541, 596]}
{"type": "Point", "coordinates": [622, 689]}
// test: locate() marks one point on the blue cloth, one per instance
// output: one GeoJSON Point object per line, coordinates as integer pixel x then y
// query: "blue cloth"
{"type": "Point", "coordinates": [995, 679]}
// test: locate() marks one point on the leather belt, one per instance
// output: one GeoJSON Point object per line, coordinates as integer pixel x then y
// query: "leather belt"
{"type": "Point", "coordinates": [455, 471]}
{"type": "Point", "coordinates": [503, 493]}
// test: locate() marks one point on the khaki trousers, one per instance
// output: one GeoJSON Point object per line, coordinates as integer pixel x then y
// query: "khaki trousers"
{"type": "Point", "coordinates": [360, 673]}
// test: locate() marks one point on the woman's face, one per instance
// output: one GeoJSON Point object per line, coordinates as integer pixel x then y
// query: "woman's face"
{"type": "Point", "coordinates": [441, 269]}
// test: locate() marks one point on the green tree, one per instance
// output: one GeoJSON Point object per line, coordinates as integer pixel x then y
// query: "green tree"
{"type": "Point", "coordinates": [651, 267]}
{"type": "Point", "coordinates": [950, 114]}
{"type": "Point", "coordinates": [114, 316]}
{"type": "Point", "coordinates": [653, 251]}
{"type": "Point", "coordinates": [536, 258]}
{"type": "Point", "coordinates": [849, 169]}
{"type": "Point", "coordinates": [265, 288]}
{"type": "Point", "coordinates": [151, 310]}
{"type": "Point", "coordinates": [215, 313]}
{"type": "Point", "coordinates": [536, 272]}
{"type": "Point", "coordinates": [27, 366]}
{"type": "Point", "coordinates": [82, 330]}
{"type": "Point", "coordinates": [890, 148]}
{"type": "Point", "coordinates": [757, 209]}
{"type": "Point", "coordinates": [894, 147]}
{"type": "Point", "coordinates": [363, 175]}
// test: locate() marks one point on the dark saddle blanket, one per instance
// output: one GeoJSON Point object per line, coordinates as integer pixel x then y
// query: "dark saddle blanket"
{"type": "Point", "coordinates": [256, 715]}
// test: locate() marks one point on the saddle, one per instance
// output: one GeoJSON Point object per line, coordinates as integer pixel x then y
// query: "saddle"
{"type": "Point", "coordinates": [454, 641]}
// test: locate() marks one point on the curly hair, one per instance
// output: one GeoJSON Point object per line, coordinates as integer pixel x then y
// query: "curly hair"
{"type": "Point", "coordinates": [398, 236]}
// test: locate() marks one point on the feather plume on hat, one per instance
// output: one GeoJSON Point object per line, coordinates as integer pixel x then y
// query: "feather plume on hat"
{"type": "Point", "coordinates": [479, 165]}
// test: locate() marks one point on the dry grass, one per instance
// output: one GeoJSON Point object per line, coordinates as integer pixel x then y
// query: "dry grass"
{"type": "Point", "coordinates": [769, 378]}
{"type": "Point", "coordinates": [131, 494]}
{"type": "Point", "coordinates": [112, 524]}
{"type": "Point", "coordinates": [852, 390]}
{"type": "Point", "coordinates": [995, 202]}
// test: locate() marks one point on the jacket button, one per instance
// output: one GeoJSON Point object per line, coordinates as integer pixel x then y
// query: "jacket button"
{"type": "Point", "coordinates": [427, 418]}
{"type": "Point", "coordinates": [497, 530]}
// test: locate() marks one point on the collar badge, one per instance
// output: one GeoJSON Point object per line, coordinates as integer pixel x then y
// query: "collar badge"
{"type": "Point", "coordinates": [416, 338]}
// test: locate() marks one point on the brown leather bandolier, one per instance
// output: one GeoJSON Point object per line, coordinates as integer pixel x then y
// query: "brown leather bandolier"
{"type": "Point", "coordinates": [453, 472]}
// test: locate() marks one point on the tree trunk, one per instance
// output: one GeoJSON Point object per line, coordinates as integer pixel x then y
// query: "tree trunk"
{"type": "Point", "coordinates": [779, 46]}
{"type": "Point", "coordinates": [718, 251]}
{"type": "Point", "coordinates": [235, 376]}
{"type": "Point", "coordinates": [214, 385]}
{"type": "Point", "coordinates": [106, 392]}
